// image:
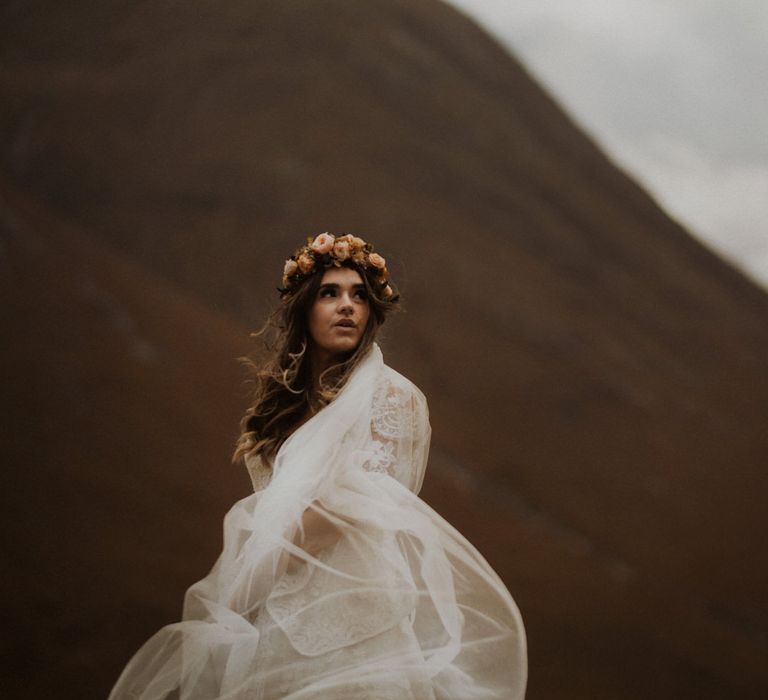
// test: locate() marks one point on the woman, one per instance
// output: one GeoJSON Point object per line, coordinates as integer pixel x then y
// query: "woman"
{"type": "Point", "coordinates": [336, 581]}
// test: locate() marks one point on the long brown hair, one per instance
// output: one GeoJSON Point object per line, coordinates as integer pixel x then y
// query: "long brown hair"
{"type": "Point", "coordinates": [284, 388]}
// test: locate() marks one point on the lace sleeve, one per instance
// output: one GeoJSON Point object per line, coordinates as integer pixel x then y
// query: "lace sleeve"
{"type": "Point", "coordinates": [400, 433]}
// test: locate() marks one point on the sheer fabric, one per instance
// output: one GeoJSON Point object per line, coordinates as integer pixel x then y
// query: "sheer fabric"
{"type": "Point", "coordinates": [336, 581]}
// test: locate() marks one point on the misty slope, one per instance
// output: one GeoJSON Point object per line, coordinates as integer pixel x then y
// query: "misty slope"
{"type": "Point", "coordinates": [581, 352]}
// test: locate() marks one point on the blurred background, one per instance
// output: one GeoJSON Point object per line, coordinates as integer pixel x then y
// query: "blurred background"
{"type": "Point", "coordinates": [598, 377]}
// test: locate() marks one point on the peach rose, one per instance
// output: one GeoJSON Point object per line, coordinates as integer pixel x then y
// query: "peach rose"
{"type": "Point", "coordinates": [377, 261]}
{"type": "Point", "coordinates": [290, 268]}
{"type": "Point", "coordinates": [323, 244]}
{"type": "Point", "coordinates": [341, 249]}
{"type": "Point", "coordinates": [386, 292]}
{"type": "Point", "coordinates": [305, 262]}
{"type": "Point", "coordinates": [357, 244]}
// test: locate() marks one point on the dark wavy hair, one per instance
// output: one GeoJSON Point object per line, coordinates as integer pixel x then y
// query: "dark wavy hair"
{"type": "Point", "coordinates": [284, 388]}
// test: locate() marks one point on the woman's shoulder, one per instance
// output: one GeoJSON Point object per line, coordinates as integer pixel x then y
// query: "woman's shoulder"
{"type": "Point", "coordinates": [396, 396]}
{"type": "Point", "coordinates": [399, 410]}
{"type": "Point", "coordinates": [394, 383]}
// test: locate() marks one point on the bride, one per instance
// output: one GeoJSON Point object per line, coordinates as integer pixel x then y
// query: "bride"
{"type": "Point", "coordinates": [336, 581]}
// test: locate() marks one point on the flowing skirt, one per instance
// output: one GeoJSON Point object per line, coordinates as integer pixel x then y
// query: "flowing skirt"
{"type": "Point", "coordinates": [391, 602]}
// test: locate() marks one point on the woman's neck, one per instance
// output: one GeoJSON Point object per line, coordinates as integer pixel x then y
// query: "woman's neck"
{"type": "Point", "coordinates": [319, 362]}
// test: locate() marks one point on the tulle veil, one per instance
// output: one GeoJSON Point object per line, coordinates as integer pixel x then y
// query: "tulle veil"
{"type": "Point", "coordinates": [399, 606]}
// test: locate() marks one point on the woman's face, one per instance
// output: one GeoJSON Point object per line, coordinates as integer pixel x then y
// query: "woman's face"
{"type": "Point", "coordinates": [339, 314]}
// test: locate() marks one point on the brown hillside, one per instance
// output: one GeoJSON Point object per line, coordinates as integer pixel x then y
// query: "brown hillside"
{"type": "Point", "coordinates": [598, 380]}
{"type": "Point", "coordinates": [118, 509]}
{"type": "Point", "coordinates": [118, 416]}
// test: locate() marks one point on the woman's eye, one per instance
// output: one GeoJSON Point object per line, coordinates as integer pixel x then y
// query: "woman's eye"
{"type": "Point", "coordinates": [361, 294]}
{"type": "Point", "coordinates": [328, 292]}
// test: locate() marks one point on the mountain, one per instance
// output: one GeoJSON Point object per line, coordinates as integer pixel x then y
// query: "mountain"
{"type": "Point", "coordinates": [598, 380]}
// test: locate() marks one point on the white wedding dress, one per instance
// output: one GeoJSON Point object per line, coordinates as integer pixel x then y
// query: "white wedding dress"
{"type": "Point", "coordinates": [398, 606]}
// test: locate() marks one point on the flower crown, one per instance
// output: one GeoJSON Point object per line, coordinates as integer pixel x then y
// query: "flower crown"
{"type": "Point", "coordinates": [326, 250]}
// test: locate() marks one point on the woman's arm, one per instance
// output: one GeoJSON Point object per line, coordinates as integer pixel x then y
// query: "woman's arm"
{"type": "Point", "coordinates": [318, 529]}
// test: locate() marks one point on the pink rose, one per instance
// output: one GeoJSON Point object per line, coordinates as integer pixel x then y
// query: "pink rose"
{"type": "Point", "coordinates": [290, 268]}
{"type": "Point", "coordinates": [323, 244]}
{"type": "Point", "coordinates": [305, 262]}
{"type": "Point", "coordinates": [341, 249]}
{"type": "Point", "coordinates": [377, 261]}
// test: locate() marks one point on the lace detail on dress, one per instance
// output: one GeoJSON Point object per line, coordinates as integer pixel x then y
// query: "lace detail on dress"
{"type": "Point", "coordinates": [399, 433]}
{"type": "Point", "coordinates": [319, 612]}
{"type": "Point", "coordinates": [391, 425]}
{"type": "Point", "coordinates": [391, 412]}
{"type": "Point", "coordinates": [381, 458]}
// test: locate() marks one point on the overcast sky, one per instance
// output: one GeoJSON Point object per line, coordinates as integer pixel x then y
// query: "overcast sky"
{"type": "Point", "coordinates": [676, 91]}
